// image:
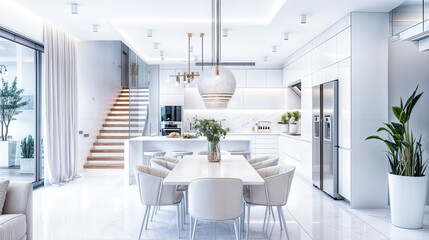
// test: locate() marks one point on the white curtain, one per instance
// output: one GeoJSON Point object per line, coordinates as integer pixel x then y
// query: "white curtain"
{"type": "Point", "coordinates": [60, 106]}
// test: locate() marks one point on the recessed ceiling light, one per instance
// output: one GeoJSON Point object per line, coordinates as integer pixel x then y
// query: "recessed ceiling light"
{"type": "Point", "coordinates": [192, 49]}
{"type": "Point", "coordinates": [303, 19]}
{"type": "Point", "coordinates": [225, 33]}
{"type": "Point", "coordinates": [285, 36]}
{"type": "Point", "coordinates": [162, 58]}
{"type": "Point", "coordinates": [274, 48]}
{"type": "Point", "coordinates": [196, 58]}
{"type": "Point", "coordinates": [94, 27]}
{"type": "Point", "coordinates": [155, 45]}
{"type": "Point", "coordinates": [161, 53]}
{"type": "Point", "coordinates": [74, 9]}
{"type": "Point", "coordinates": [149, 33]}
{"type": "Point", "coordinates": [265, 59]}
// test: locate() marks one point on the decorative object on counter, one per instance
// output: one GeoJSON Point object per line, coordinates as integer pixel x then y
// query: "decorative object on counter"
{"type": "Point", "coordinates": [211, 129]}
{"type": "Point", "coordinates": [10, 102]}
{"type": "Point", "coordinates": [174, 135]}
{"type": "Point", "coordinates": [264, 126]}
{"type": "Point", "coordinates": [407, 180]}
{"type": "Point", "coordinates": [217, 84]}
{"type": "Point", "coordinates": [294, 127]}
{"type": "Point", "coordinates": [284, 123]}
{"type": "Point", "coordinates": [26, 163]}
{"type": "Point", "coordinates": [188, 136]}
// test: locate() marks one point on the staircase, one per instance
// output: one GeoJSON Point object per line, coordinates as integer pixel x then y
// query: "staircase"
{"type": "Point", "coordinates": [127, 118]}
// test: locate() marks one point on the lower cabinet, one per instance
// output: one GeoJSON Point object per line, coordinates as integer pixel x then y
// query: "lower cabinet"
{"type": "Point", "coordinates": [295, 151]}
{"type": "Point", "coordinates": [261, 144]}
{"type": "Point", "coordinates": [344, 173]}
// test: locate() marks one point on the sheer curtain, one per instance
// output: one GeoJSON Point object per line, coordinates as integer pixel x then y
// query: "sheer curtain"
{"type": "Point", "coordinates": [60, 106]}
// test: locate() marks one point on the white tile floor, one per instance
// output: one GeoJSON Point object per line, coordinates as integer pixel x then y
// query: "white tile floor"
{"type": "Point", "coordinates": [99, 206]}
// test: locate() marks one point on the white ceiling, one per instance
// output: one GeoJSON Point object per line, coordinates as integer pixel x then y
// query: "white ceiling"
{"type": "Point", "coordinates": [254, 25]}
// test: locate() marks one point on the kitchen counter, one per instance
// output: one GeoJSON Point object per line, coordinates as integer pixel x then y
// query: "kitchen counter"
{"type": "Point", "coordinates": [296, 137]}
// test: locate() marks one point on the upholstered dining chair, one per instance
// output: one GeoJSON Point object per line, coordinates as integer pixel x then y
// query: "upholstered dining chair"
{"type": "Point", "coordinates": [222, 152]}
{"type": "Point", "coordinates": [154, 193]}
{"type": "Point", "coordinates": [162, 164]}
{"type": "Point", "coordinates": [265, 161]}
{"type": "Point", "coordinates": [169, 159]}
{"type": "Point", "coordinates": [274, 192]}
{"type": "Point", "coordinates": [215, 199]}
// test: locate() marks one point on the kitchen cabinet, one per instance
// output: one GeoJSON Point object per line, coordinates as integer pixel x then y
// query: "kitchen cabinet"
{"type": "Point", "coordinates": [256, 78]}
{"type": "Point", "coordinates": [344, 173]}
{"type": "Point", "coordinates": [344, 104]}
{"type": "Point", "coordinates": [269, 98]}
{"type": "Point", "coordinates": [260, 144]}
{"type": "Point", "coordinates": [240, 77]}
{"type": "Point", "coordinates": [274, 78]}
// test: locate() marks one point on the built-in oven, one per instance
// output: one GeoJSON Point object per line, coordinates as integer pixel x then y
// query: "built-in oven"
{"type": "Point", "coordinates": [171, 114]}
{"type": "Point", "coordinates": [169, 127]}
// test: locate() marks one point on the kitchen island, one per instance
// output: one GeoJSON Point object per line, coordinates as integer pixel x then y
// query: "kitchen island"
{"type": "Point", "coordinates": [135, 147]}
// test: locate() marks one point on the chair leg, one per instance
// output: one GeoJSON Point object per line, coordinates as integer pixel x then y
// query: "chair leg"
{"type": "Point", "coordinates": [186, 198]}
{"type": "Point", "coordinates": [243, 216]}
{"type": "Point", "coordinates": [272, 212]}
{"type": "Point", "coordinates": [235, 229]}
{"type": "Point", "coordinates": [190, 227]}
{"type": "Point", "coordinates": [193, 229]}
{"type": "Point", "coordinates": [178, 219]}
{"type": "Point", "coordinates": [280, 219]}
{"type": "Point", "coordinates": [284, 221]}
{"type": "Point", "coordinates": [265, 219]}
{"type": "Point", "coordinates": [153, 213]}
{"type": "Point", "coordinates": [248, 222]}
{"type": "Point", "coordinates": [144, 218]}
{"type": "Point", "coordinates": [239, 227]}
{"type": "Point", "coordinates": [147, 217]}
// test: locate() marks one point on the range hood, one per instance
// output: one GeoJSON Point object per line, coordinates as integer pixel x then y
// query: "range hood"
{"type": "Point", "coordinates": [296, 87]}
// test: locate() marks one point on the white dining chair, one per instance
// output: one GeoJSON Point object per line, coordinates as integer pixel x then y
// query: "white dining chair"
{"type": "Point", "coordinates": [265, 161]}
{"type": "Point", "coordinates": [154, 193]}
{"type": "Point", "coordinates": [215, 199]}
{"type": "Point", "coordinates": [222, 152]}
{"type": "Point", "coordinates": [169, 159]}
{"type": "Point", "coordinates": [274, 192]}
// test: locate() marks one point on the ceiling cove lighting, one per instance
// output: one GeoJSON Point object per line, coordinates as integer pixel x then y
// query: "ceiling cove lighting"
{"type": "Point", "coordinates": [303, 19]}
{"type": "Point", "coordinates": [95, 28]}
{"type": "Point", "coordinates": [217, 84]}
{"type": "Point", "coordinates": [74, 9]}
{"type": "Point", "coordinates": [285, 36]}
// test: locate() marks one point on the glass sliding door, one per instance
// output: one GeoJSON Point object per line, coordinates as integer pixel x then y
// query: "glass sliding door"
{"type": "Point", "coordinates": [20, 112]}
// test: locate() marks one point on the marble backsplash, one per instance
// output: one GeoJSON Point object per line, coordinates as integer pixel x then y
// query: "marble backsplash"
{"type": "Point", "coordinates": [239, 121]}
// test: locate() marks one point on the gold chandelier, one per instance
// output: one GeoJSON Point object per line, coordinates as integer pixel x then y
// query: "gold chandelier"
{"type": "Point", "coordinates": [188, 77]}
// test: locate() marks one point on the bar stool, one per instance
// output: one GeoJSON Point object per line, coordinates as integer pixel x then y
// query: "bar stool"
{"type": "Point", "coordinates": [152, 154]}
{"type": "Point", "coordinates": [245, 154]}
{"type": "Point", "coordinates": [179, 154]}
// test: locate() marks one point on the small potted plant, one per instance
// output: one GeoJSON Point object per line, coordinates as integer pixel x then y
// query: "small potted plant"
{"type": "Point", "coordinates": [284, 123]}
{"type": "Point", "coordinates": [407, 179]}
{"type": "Point", "coordinates": [211, 129]}
{"type": "Point", "coordinates": [10, 102]}
{"type": "Point", "coordinates": [27, 155]}
{"type": "Point", "coordinates": [294, 123]}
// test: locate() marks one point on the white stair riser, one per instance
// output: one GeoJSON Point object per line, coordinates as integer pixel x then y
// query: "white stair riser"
{"type": "Point", "coordinates": [105, 162]}
{"type": "Point", "coordinates": [107, 154]}
{"type": "Point", "coordinates": [108, 147]}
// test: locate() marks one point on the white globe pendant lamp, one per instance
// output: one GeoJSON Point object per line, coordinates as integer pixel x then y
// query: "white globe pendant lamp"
{"type": "Point", "coordinates": [217, 84]}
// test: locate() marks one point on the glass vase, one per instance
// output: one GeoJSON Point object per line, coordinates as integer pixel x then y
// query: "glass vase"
{"type": "Point", "coordinates": [214, 152]}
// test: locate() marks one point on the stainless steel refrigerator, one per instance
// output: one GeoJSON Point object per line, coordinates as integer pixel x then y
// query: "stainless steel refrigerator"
{"type": "Point", "coordinates": [325, 138]}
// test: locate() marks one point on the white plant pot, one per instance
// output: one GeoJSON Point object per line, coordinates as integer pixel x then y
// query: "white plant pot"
{"type": "Point", "coordinates": [407, 200]}
{"type": "Point", "coordinates": [284, 128]}
{"type": "Point", "coordinates": [8, 153]}
{"type": "Point", "coordinates": [293, 128]}
{"type": "Point", "coordinates": [27, 165]}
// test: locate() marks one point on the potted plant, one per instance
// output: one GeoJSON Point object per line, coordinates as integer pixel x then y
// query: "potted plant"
{"type": "Point", "coordinates": [293, 125]}
{"type": "Point", "coordinates": [407, 179]}
{"type": "Point", "coordinates": [27, 155]}
{"type": "Point", "coordinates": [10, 102]}
{"type": "Point", "coordinates": [211, 129]}
{"type": "Point", "coordinates": [284, 123]}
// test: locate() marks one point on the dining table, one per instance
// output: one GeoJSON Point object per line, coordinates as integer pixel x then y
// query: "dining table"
{"type": "Point", "coordinates": [193, 167]}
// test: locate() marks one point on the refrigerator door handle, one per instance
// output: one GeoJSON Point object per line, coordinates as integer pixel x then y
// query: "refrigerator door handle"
{"type": "Point", "coordinates": [327, 133]}
{"type": "Point", "coordinates": [316, 120]}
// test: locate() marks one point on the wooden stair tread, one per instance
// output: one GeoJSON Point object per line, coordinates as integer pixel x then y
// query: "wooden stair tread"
{"type": "Point", "coordinates": [104, 158]}
{"type": "Point", "coordinates": [114, 131]}
{"type": "Point", "coordinates": [119, 114]}
{"type": "Point", "coordinates": [112, 137]}
{"type": "Point", "coordinates": [106, 150]}
{"type": "Point", "coordinates": [108, 144]}
{"type": "Point", "coordinates": [98, 165]}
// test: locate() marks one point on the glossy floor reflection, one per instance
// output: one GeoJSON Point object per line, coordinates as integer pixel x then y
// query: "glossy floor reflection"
{"type": "Point", "coordinates": [99, 206]}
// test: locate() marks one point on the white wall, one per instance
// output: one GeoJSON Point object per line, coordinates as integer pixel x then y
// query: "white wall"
{"type": "Point", "coordinates": [408, 68]}
{"type": "Point", "coordinates": [99, 83]}
{"type": "Point", "coordinates": [20, 20]}
{"type": "Point", "coordinates": [154, 97]}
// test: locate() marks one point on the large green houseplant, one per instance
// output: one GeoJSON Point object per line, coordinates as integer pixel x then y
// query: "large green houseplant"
{"type": "Point", "coordinates": [407, 179]}
{"type": "Point", "coordinates": [211, 129]}
{"type": "Point", "coordinates": [10, 102]}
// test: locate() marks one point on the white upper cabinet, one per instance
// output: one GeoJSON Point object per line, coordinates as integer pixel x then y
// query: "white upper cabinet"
{"type": "Point", "coordinates": [240, 77]}
{"type": "Point", "coordinates": [270, 98]}
{"type": "Point", "coordinates": [274, 78]}
{"type": "Point", "coordinates": [343, 44]}
{"type": "Point", "coordinates": [256, 78]}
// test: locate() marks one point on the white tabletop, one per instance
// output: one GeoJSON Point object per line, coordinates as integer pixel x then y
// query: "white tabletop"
{"type": "Point", "coordinates": [197, 166]}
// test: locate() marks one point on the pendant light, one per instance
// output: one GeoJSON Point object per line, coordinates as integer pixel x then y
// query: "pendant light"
{"type": "Point", "coordinates": [217, 84]}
